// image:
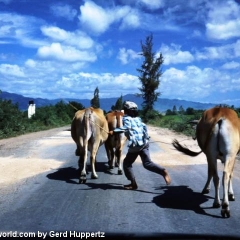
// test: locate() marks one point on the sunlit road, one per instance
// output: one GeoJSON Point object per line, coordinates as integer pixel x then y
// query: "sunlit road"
{"type": "Point", "coordinates": [53, 201]}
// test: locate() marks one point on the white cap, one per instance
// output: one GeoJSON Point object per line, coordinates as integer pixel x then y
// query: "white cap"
{"type": "Point", "coordinates": [130, 105]}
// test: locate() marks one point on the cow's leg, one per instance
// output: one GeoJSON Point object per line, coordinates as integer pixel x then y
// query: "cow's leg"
{"type": "Point", "coordinates": [93, 159]}
{"type": "Point", "coordinates": [226, 181]}
{"type": "Point", "coordinates": [213, 173]}
{"type": "Point", "coordinates": [118, 154]}
{"type": "Point", "coordinates": [82, 165]}
{"type": "Point", "coordinates": [110, 153]}
{"type": "Point", "coordinates": [216, 203]}
{"type": "Point", "coordinates": [212, 162]}
{"type": "Point", "coordinates": [231, 196]}
{"type": "Point", "coordinates": [77, 151]}
{"type": "Point", "coordinates": [111, 158]}
{"type": "Point", "coordinates": [207, 186]}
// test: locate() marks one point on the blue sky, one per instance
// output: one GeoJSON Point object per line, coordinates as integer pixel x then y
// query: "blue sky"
{"type": "Point", "coordinates": [65, 49]}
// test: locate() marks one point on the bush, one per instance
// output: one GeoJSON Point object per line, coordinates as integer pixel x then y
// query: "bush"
{"type": "Point", "coordinates": [13, 122]}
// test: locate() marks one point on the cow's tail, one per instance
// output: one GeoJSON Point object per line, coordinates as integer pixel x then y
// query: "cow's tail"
{"type": "Point", "coordinates": [87, 125]}
{"type": "Point", "coordinates": [191, 153]}
{"type": "Point", "coordinates": [183, 149]}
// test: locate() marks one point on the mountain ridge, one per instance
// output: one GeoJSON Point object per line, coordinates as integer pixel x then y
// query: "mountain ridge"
{"type": "Point", "coordinates": [161, 105]}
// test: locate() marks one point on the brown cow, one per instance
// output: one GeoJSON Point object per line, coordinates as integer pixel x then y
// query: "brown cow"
{"type": "Point", "coordinates": [115, 141]}
{"type": "Point", "coordinates": [89, 130]}
{"type": "Point", "coordinates": [218, 136]}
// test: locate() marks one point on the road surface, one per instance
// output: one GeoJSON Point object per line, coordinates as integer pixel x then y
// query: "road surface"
{"type": "Point", "coordinates": [40, 193]}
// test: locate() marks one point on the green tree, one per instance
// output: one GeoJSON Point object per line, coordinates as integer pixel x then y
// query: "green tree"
{"type": "Point", "coordinates": [95, 101]}
{"type": "Point", "coordinates": [174, 110]}
{"type": "Point", "coordinates": [118, 105]}
{"type": "Point", "coordinates": [73, 107]}
{"type": "Point", "coordinates": [181, 110]}
{"type": "Point", "coordinates": [150, 73]}
{"type": "Point", "coordinates": [189, 111]}
{"type": "Point", "coordinates": [169, 112]}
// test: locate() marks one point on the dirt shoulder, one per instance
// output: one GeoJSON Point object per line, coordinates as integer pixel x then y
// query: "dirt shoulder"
{"type": "Point", "coordinates": [170, 156]}
{"type": "Point", "coordinates": [20, 156]}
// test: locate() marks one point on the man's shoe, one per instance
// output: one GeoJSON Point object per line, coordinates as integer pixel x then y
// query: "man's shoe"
{"type": "Point", "coordinates": [166, 177]}
{"type": "Point", "coordinates": [132, 186]}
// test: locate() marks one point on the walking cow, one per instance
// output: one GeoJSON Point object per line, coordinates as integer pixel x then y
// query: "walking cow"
{"type": "Point", "coordinates": [89, 130]}
{"type": "Point", "coordinates": [218, 136]}
{"type": "Point", "coordinates": [115, 142]}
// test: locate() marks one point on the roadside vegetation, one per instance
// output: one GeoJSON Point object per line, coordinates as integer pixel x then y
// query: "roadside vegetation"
{"type": "Point", "coordinates": [14, 122]}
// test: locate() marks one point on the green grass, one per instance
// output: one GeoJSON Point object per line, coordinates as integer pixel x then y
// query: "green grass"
{"type": "Point", "coordinates": [178, 123]}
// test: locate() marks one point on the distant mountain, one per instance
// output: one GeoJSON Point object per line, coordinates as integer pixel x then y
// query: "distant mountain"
{"type": "Point", "coordinates": [161, 105]}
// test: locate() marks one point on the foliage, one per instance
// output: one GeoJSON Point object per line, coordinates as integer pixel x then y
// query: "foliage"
{"type": "Point", "coordinates": [150, 73]}
{"type": "Point", "coordinates": [13, 122]}
{"type": "Point", "coordinates": [178, 123]}
{"type": "Point", "coordinates": [95, 102]}
{"type": "Point", "coordinates": [118, 105]}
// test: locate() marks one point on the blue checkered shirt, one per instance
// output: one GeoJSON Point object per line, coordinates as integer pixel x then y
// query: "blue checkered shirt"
{"type": "Point", "coordinates": [136, 132]}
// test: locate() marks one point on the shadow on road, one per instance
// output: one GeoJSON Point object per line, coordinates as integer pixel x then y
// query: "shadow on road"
{"type": "Point", "coordinates": [182, 198]}
{"type": "Point", "coordinates": [71, 174]}
{"type": "Point", "coordinates": [68, 174]}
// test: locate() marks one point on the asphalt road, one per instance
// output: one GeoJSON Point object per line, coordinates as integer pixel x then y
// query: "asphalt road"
{"type": "Point", "coordinates": [54, 203]}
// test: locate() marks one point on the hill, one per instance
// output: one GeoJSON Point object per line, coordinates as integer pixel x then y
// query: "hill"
{"type": "Point", "coordinates": [161, 105]}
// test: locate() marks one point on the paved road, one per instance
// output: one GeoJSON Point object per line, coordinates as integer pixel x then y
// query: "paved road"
{"type": "Point", "coordinates": [53, 202]}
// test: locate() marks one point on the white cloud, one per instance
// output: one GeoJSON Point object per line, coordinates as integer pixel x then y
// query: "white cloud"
{"type": "Point", "coordinates": [84, 83]}
{"type": "Point", "coordinates": [223, 20]}
{"type": "Point", "coordinates": [153, 4]}
{"type": "Point", "coordinates": [231, 65]}
{"type": "Point", "coordinates": [65, 11]}
{"type": "Point", "coordinates": [20, 29]}
{"type": "Point", "coordinates": [196, 84]}
{"type": "Point", "coordinates": [96, 19]}
{"type": "Point", "coordinates": [227, 51]}
{"type": "Point", "coordinates": [55, 33]}
{"type": "Point", "coordinates": [131, 19]}
{"type": "Point", "coordinates": [30, 63]}
{"type": "Point", "coordinates": [65, 53]}
{"type": "Point", "coordinates": [196, 33]}
{"type": "Point", "coordinates": [13, 70]}
{"type": "Point", "coordinates": [236, 48]}
{"type": "Point", "coordinates": [78, 38]}
{"type": "Point", "coordinates": [126, 55]}
{"type": "Point", "coordinates": [173, 55]}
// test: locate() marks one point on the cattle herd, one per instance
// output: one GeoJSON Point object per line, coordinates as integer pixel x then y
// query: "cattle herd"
{"type": "Point", "coordinates": [217, 134]}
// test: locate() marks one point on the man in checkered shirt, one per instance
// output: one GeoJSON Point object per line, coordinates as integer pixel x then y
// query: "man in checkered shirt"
{"type": "Point", "coordinates": [137, 135]}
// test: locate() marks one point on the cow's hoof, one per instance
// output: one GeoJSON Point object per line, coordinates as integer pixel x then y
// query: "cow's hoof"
{"type": "Point", "coordinates": [94, 176]}
{"type": "Point", "coordinates": [205, 191]}
{"type": "Point", "coordinates": [82, 181]}
{"type": "Point", "coordinates": [120, 172]}
{"type": "Point", "coordinates": [231, 197]}
{"type": "Point", "coordinates": [225, 213]}
{"type": "Point", "coordinates": [216, 205]}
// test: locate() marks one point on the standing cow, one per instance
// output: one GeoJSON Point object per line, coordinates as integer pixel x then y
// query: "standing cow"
{"type": "Point", "coordinates": [218, 136]}
{"type": "Point", "coordinates": [115, 143]}
{"type": "Point", "coordinates": [89, 131]}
